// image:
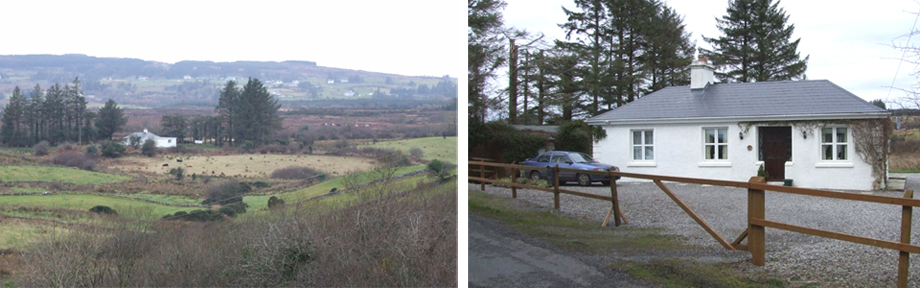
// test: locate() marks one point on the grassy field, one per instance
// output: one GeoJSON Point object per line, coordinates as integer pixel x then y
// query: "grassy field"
{"type": "Point", "coordinates": [245, 165]}
{"type": "Point", "coordinates": [125, 207]}
{"type": "Point", "coordinates": [261, 201]}
{"type": "Point", "coordinates": [18, 233]}
{"type": "Point", "coordinates": [444, 149]}
{"type": "Point", "coordinates": [57, 174]}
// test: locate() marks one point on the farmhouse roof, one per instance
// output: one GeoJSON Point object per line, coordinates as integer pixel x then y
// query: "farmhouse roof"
{"type": "Point", "coordinates": [764, 101]}
{"type": "Point", "coordinates": [143, 135]}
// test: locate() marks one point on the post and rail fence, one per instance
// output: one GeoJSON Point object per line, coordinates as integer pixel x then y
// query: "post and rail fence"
{"type": "Point", "coordinates": [757, 222]}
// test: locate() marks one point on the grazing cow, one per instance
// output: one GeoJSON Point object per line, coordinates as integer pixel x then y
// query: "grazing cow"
{"type": "Point", "coordinates": [179, 160]}
{"type": "Point", "coordinates": [166, 165]}
{"type": "Point", "coordinates": [188, 166]}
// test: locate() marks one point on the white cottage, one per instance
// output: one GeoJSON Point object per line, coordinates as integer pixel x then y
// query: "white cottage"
{"type": "Point", "coordinates": [804, 131]}
{"type": "Point", "coordinates": [161, 142]}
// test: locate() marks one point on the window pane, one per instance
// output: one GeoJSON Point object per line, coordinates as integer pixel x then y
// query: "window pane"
{"type": "Point", "coordinates": [637, 137]}
{"type": "Point", "coordinates": [710, 136]}
{"type": "Point", "coordinates": [828, 152]}
{"type": "Point", "coordinates": [649, 154]}
{"type": "Point", "coordinates": [841, 152]}
{"type": "Point", "coordinates": [722, 138]}
{"type": "Point", "coordinates": [648, 138]}
{"type": "Point", "coordinates": [710, 152]}
{"type": "Point", "coordinates": [637, 153]}
{"type": "Point", "coordinates": [723, 152]}
{"type": "Point", "coordinates": [841, 135]}
{"type": "Point", "coordinates": [828, 135]}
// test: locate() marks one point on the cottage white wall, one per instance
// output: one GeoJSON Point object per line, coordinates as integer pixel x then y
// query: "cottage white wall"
{"type": "Point", "coordinates": [166, 142]}
{"type": "Point", "coordinates": [679, 152]}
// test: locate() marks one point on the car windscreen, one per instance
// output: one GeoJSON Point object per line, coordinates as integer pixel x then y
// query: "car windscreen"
{"type": "Point", "coordinates": [581, 158]}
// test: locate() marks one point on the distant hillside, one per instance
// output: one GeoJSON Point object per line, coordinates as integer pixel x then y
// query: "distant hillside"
{"type": "Point", "coordinates": [157, 84]}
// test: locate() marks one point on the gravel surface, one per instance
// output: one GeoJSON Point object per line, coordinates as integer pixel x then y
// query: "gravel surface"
{"type": "Point", "coordinates": [789, 255]}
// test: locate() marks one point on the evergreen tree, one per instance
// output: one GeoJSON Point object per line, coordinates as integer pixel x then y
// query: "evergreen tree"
{"type": "Point", "coordinates": [175, 125]}
{"type": "Point", "coordinates": [755, 45]}
{"type": "Point", "coordinates": [13, 131]}
{"type": "Point", "coordinates": [670, 51]}
{"type": "Point", "coordinates": [111, 119]}
{"type": "Point", "coordinates": [484, 51]}
{"type": "Point", "coordinates": [257, 113]}
{"type": "Point", "coordinates": [229, 96]}
{"type": "Point", "coordinates": [588, 31]}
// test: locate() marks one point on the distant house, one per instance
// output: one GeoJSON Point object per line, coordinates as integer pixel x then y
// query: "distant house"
{"type": "Point", "coordinates": [330, 81]}
{"type": "Point", "coordinates": [350, 93]}
{"type": "Point", "coordinates": [161, 142]}
{"type": "Point", "coordinates": [807, 131]}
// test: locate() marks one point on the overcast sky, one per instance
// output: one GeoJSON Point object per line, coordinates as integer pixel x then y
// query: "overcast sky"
{"type": "Point", "coordinates": [418, 38]}
{"type": "Point", "coordinates": [845, 40]}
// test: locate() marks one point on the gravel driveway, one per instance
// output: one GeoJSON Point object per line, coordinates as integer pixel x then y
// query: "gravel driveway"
{"type": "Point", "coordinates": [789, 255]}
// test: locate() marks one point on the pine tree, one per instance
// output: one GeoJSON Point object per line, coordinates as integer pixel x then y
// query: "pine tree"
{"type": "Point", "coordinates": [12, 132]}
{"type": "Point", "coordinates": [587, 33]}
{"type": "Point", "coordinates": [257, 117]}
{"type": "Point", "coordinates": [669, 52]}
{"type": "Point", "coordinates": [229, 96]}
{"type": "Point", "coordinates": [111, 119]}
{"type": "Point", "coordinates": [755, 45]}
{"type": "Point", "coordinates": [484, 51]}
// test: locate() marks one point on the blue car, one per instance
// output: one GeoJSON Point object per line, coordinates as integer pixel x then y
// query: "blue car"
{"type": "Point", "coordinates": [543, 164]}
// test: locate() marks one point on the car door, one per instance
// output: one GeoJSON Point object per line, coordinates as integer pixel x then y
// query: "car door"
{"type": "Point", "coordinates": [564, 162]}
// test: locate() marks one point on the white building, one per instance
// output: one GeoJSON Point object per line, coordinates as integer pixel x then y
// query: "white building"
{"type": "Point", "coordinates": [161, 142]}
{"type": "Point", "coordinates": [799, 130]}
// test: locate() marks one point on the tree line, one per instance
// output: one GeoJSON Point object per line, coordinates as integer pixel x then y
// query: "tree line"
{"type": "Point", "coordinates": [57, 115]}
{"type": "Point", "coordinates": [245, 115]}
{"type": "Point", "coordinates": [614, 52]}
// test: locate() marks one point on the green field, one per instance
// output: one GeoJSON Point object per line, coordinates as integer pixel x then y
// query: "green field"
{"type": "Point", "coordinates": [444, 149]}
{"type": "Point", "coordinates": [261, 201]}
{"type": "Point", "coordinates": [124, 207]}
{"type": "Point", "coordinates": [57, 174]}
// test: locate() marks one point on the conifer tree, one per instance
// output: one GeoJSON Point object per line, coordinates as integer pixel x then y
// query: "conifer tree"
{"type": "Point", "coordinates": [111, 119]}
{"type": "Point", "coordinates": [755, 44]}
{"type": "Point", "coordinates": [12, 132]}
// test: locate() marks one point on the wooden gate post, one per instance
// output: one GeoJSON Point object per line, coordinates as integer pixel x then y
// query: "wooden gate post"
{"type": "Point", "coordinates": [756, 232]}
{"type": "Point", "coordinates": [556, 185]}
{"type": "Point", "coordinates": [904, 257]}
{"type": "Point", "coordinates": [514, 174]}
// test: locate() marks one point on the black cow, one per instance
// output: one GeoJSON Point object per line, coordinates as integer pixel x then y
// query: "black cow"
{"type": "Point", "coordinates": [179, 160]}
{"type": "Point", "coordinates": [165, 165]}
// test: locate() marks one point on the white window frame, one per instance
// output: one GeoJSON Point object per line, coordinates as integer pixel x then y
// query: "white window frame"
{"type": "Point", "coordinates": [835, 144]}
{"type": "Point", "coordinates": [643, 146]}
{"type": "Point", "coordinates": [718, 146]}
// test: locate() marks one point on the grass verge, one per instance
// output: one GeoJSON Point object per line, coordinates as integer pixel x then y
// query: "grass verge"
{"type": "Point", "coordinates": [586, 236]}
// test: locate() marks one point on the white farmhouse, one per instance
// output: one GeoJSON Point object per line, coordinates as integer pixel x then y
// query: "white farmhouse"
{"type": "Point", "coordinates": [811, 132]}
{"type": "Point", "coordinates": [161, 142]}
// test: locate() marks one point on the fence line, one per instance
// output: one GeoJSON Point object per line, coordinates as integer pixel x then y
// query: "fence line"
{"type": "Point", "coordinates": [756, 189]}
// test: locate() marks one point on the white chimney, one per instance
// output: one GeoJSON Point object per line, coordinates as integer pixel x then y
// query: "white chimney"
{"type": "Point", "coordinates": [145, 130]}
{"type": "Point", "coordinates": [701, 73]}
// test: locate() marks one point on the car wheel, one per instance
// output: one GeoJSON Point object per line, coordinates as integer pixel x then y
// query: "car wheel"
{"type": "Point", "coordinates": [584, 179]}
{"type": "Point", "coordinates": [535, 176]}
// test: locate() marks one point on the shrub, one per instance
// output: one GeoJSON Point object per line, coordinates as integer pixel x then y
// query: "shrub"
{"type": "Point", "coordinates": [226, 192]}
{"type": "Point", "coordinates": [99, 209]}
{"type": "Point", "coordinates": [67, 146]}
{"type": "Point", "coordinates": [178, 172]}
{"type": "Point", "coordinates": [248, 145]}
{"type": "Point", "coordinates": [76, 160]}
{"type": "Point", "coordinates": [135, 141]}
{"type": "Point", "coordinates": [416, 152]}
{"type": "Point", "coordinates": [197, 216]}
{"type": "Point", "coordinates": [275, 202]}
{"type": "Point", "coordinates": [233, 209]}
{"type": "Point", "coordinates": [341, 143]}
{"type": "Point", "coordinates": [438, 169]}
{"type": "Point", "coordinates": [112, 149]}
{"type": "Point", "coordinates": [577, 136]}
{"type": "Point", "coordinates": [516, 145]}
{"type": "Point", "coordinates": [150, 148]}
{"type": "Point", "coordinates": [92, 151]}
{"type": "Point", "coordinates": [294, 172]}
{"type": "Point", "coordinates": [42, 148]}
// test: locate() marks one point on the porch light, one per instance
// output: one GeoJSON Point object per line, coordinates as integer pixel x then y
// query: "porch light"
{"type": "Point", "coordinates": [741, 135]}
{"type": "Point", "coordinates": [804, 134]}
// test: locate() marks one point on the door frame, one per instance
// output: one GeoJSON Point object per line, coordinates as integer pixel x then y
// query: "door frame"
{"type": "Point", "coordinates": [777, 134]}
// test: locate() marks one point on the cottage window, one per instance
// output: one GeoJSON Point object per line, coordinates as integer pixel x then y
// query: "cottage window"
{"type": "Point", "coordinates": [834, 143]}
{"type": "Point", "coordinates": [643, 145]}
{"type": "Point", "coordinates": [715, 143]}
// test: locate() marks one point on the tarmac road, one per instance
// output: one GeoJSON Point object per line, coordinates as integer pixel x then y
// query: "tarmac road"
{"type": "Point", "coordinates": [501, 257]}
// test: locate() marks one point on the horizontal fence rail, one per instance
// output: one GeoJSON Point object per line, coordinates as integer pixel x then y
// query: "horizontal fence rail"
{"type": "Point", "coordinates": [757, 221]}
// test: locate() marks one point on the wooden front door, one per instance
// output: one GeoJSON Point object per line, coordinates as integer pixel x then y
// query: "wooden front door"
{"type": "Point", "coordinates": [775, 150]}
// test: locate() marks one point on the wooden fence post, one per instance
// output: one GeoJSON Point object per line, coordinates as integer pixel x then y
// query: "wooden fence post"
{"type": "Point", "coordinates": [614, 205]}
{"type": "Point", "coordinates": [904, 257]}
{"type": "Point", "coordinates": [756, 232]}
{"type": "Point", "coordinates": [482, 174]}
{"type": "Point", "coordinates": [514, 174]}
{"type": "Point", "coordinates": [556, 186]}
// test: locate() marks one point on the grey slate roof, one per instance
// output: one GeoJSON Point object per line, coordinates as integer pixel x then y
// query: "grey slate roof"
{"type": "Point", "coordinates": [761, 100]}
{"type": "Point", "coordinates": [143, 135]}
